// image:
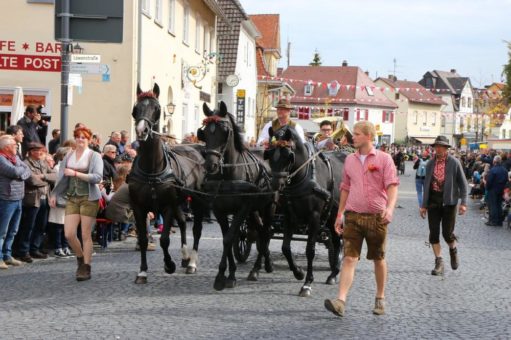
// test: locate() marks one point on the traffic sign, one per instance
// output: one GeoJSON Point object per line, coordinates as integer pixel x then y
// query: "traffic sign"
{"type": "Point", "coordinates": [89, 68]}
{"type": "Point", "coordinates": [86, 58]}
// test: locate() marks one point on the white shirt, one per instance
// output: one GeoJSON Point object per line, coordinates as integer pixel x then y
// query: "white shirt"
{"type": "Point", "coordinates": [82, 163]}
{"type": "Point", "coordinates": [265, 135]}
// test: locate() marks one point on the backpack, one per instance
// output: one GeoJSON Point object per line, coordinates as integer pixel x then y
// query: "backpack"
{"type": "Point", "coordinates": [421, 170]}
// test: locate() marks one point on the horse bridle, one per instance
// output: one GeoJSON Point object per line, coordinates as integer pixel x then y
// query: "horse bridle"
{"type": "Point", "coordinates": [150, 122]}
{"type": "Point", "coordinates": [282, 174]}
{"type": "Point", "coordinates": [219, 154]}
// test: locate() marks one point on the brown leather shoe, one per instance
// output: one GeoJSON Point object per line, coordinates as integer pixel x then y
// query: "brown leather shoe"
{"type": "Point", "coordinates": [83, 272]}
{"type": "Point", "coordinates": [379, 306]}
{"type": "Point", "coordinates": [439, 267]}
{"type": "Point", "coordinates": [335, 306]}
{"type": "Point", "coordinates": [26, 258]}
{"type": "Point", "coordinates": [38, 255]}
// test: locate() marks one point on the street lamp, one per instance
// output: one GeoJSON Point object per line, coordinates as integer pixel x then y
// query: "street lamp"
{"type": "Point", "coordinates": [170, 110]}
{"type": "Point", "coordinates": [78, 49]}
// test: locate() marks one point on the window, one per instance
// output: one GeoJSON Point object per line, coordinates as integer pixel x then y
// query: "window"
{"type": "Point", "coordinates": [145, 7]}
{"type": "Point", "coordinates": [184, 116]}
{"type": "Point", "coordinates": [157, 12]}
{"type": "Point", "coordinates": [333, 88]}
{"type": "Point", "coordinates": [433, 118]}
{"type": "Point", "coordinates": [345, 113]}
{"type": "Point", "coordinates": [429, 82]}
{"type": "Point", "coordinates": [197, 35]}
{"type": "Point", "coordinates": [442, 121]}
{"type": "Point", "coordinates": [469, 102]}
{"type": "Point", "coordinates": [186, 24]}
{"type": "Point", "coordinates": [172, 16]}
{"type": "Point", "coordinates": [369, 91]}
{"type": "Point", "coordinates": [357, 114]}
{"type": "Point", "coordinates": [385, 117]}
{"type": "Point", "coordinates": [425, 122]}
{"type": "Point", "coordinates": [416, 114]}
{"type": "Point", "coordinates": [463, 101]}
{"type": "Point", "coordinates": [207, 46]}
{"type": "Point", "coordinates": [397, 96]}
{"type": "Point", "coordinates": [245, 54]}
{"type": "Point", "coordinates": [309, 88]}
{"type": "Point", "coordinates": [503, 133]}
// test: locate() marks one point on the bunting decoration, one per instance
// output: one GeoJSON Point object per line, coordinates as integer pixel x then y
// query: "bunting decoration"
{"type": "Point", "coordinates": [347, 87]}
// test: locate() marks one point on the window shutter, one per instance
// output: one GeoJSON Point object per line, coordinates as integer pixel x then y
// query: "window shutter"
{"type": "Point", "coordinates": [366, 114]}
{"type": "Point", "coordinates": [383, 116]}
{"type": "Point", "coordinates": [392, 117]}
{"type": "Point", "coordinates": [358, 114]}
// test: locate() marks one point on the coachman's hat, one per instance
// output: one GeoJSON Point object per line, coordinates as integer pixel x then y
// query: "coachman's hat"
{"type": "Point", "coordinates": [284, 104]}
{"type": "Point", "coordinates": [441, 140]}
{"type": "Point", "coordinates": [34, 146]}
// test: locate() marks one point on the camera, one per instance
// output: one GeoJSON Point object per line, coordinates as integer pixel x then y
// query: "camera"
{"type": "Point", "coordinates": [44, 117]}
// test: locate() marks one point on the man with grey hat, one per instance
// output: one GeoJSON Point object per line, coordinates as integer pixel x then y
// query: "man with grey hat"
{"type": "Point", "coordinates": [283, 118]}
{"type": "Point", "coordinates": [444, 186]}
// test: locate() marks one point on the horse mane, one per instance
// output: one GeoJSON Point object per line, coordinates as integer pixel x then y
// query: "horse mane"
{"type": "Point", "coordinates": [237, 138]}
{"type": "Point", "coordinates": [144, 95]}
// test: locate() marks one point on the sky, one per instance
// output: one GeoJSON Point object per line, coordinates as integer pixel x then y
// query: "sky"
{"type": "Point", "coordinates": [420, 35]}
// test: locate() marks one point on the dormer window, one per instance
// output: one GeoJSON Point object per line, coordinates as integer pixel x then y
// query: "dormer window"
{"type": "Point", "coordinates": [309, 88]}
{"type": "Point", "coordinates": [369, 91]}
{"type": "Point", "coordinates": [333, 88]}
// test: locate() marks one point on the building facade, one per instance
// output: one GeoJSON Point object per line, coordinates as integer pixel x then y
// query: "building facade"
{"type": "Point", "coordinates": [237, 73]}
{"type": "Point", "coordinates": [418, 117]}
{"type": "Point", "coordinates": [172, 43]}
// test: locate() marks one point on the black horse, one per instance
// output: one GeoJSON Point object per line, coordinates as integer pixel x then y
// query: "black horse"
{"type": "Point", "coordinates": [308, 184]}
{"type": "Point", "coordinates": [240, 185]}
{"type": "Point", "coordinates": [156, 184]}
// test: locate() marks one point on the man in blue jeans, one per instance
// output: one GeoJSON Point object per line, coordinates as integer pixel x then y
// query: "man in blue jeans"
{"type": "Point", "coordinates": [420, 174]}
{"type": "Point", "coordinates": [13, 173]}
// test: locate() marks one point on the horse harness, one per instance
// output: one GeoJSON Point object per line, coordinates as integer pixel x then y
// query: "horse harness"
{"type": "Point", "coordinates": [301, 187]}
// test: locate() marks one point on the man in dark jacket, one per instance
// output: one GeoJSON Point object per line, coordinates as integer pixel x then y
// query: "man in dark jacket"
{"type": "Point", "coordinates": [495, 184]}
{"type": "Point", "coordinates": [109, 172]}
{"type": "Point", "coordinates": [30, 125]}
{"type": "Point", "coordinates": [444, 185]}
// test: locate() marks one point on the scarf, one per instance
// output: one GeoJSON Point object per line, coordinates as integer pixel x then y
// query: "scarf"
{"type": "Point", "coordinates": [10, 158]}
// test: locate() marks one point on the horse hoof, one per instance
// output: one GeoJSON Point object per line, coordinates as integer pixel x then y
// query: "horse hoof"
{"type": "Point", "coordinates": [268, 266]}
{"type": "Point", "coordinates": [170, 269]}
{"type": "Point", "coordinates": [330, 280]}
{"type": "Point", "coordinates": [305, 292]}
{"type": "Point", "coordinates": [191, 270]}
{"type": "Point", "coordinates": [219, 283]}
{"type": "Point", "coordinates": [141, 280]}
{"type": "Point", "coordinates": [231, 283]}
{"type": "Point", "coordinates": [184, 263]}
{"type": "Point", "coordinates": [299, 275]}
{"type": "Point", "coordinates": [253, 275]}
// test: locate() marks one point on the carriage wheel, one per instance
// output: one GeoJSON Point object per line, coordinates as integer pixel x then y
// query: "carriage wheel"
{"type": "Point", "coordinates": [242, 245]}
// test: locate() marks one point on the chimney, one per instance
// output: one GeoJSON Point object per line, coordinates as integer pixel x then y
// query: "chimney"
{"type": "Point", "coordinates": [367, 73]}
{"type": "Point", "coordinates": [453, 70]}
{"type": "Point", "coordinates": [392, 77]}
{"type": "Point", "coordinates": [344, 63]}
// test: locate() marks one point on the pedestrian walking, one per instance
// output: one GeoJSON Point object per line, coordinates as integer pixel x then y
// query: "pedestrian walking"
{"type": "Point", "coordinates": [13, 173]}
{"type": "Point", "coordinates": [495, 185]}
{"type": "Point", "coordinates": [444, 186]}
{"type": "Point", "coordinates": [79, 175]}
{"type": "Point", "coordinates": [420, 174]}
{"type": "Point", "coordinates": [368, 197]}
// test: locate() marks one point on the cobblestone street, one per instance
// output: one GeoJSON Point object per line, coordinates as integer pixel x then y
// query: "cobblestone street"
{"type": "Point", "coordinates": [43, 300]}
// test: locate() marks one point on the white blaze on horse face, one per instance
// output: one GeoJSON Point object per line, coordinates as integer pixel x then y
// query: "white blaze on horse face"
{"type": "Point", "coordinates": [141, 128]}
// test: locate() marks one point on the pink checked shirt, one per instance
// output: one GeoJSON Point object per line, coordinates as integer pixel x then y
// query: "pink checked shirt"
{"type": "Point", "coordinates": [367, 183]}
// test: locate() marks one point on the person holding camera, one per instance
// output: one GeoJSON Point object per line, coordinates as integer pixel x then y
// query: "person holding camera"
{"type": "Point", "coordinates": [33, 127]}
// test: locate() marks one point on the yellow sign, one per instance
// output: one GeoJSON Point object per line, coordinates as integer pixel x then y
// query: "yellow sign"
{"type": "Point", "coordinates": [463, 141]}
{"type": "Point", "coordinates": [483, 146]}
{"type": "Point", "coordinates": [377, 127]}
{"type": "Point", "coordinates": [379, 133]}
{"type": "Point", "coordinates": [240, 93]}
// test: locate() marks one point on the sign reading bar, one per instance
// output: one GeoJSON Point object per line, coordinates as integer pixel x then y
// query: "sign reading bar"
{"type": "Point", "coordinates": [25, 62]}
{"type": "Point", "coordinates": [86, 58]}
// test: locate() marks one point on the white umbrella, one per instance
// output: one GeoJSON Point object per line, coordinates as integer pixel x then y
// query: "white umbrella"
{"type": "Point", "coordinates": [18, 105]}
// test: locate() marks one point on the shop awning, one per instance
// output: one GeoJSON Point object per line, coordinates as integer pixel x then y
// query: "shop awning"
{"type": "Point", "coordinates": [425, 140]}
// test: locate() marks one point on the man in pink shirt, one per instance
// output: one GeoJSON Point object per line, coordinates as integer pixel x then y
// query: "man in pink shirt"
{"type": "Point", "coordinates": [368, 198]}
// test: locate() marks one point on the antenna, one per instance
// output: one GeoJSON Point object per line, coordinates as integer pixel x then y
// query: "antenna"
{"type": "Point", "coordinates": [288, 52]}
